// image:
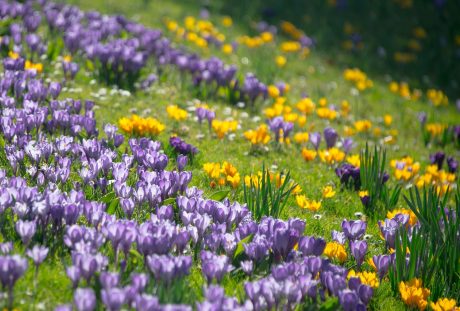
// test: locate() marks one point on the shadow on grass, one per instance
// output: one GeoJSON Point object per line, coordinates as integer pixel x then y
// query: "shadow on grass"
{"type": "Point", "coordinates": [380, 28]}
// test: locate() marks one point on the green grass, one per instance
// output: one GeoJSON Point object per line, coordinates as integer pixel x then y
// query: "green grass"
{"type": "Point", "coordinates": [319, 75]}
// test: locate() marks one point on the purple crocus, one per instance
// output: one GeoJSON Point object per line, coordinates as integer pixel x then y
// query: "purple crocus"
{"type": "Point", "coordinates": [315, 139]}
{"type": "Point", "coordinates": [37, 254]}
{"type": "Point", "coordinates": [438, 159]}
{"type": "Point", "coordinates": [26, 230]}
{"type": "Point", "coordinates": [354, 229]}
{"type": "Point", "coordinates": [11, 269]}
{"type": "Point", "coordinates": [452, 164]}
{"type": "Point", "coordinates": [347, 145]}
{"type": "Point", "coordinates": [349, 300]}
{"type": "Point", "coordinates": [330, 136]}
{"type": "Point", "coordinates": [113, 298]}
{"type": "Point", "coordinates": [358, 250]}
{"type": "Point", "coordinates": [311, 246]}
{"type": "Point", "coordinates": [181, 162]}
{"type": "Point", "coordinates": [84, 299]}
{"type": "Point", "coordinates": [382, 263]}
{"type": "Point", "coordinates": [214, 266]}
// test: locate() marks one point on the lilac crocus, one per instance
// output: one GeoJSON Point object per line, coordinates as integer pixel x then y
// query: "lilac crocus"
{"type": "Point", "coordinates": [11, 269]}
{"type": "Point", "coordinates": [214, 266]}
{"type": "Point", "coordinates": [109, 279]}
{"type": "Point", "coordinates": [349, 300]}
{"type": "Point", "coordinates": [37, 254]}
{"type": "Point", "coordinates": [354, 229]}
{"type": "Point", "coordinates": [26, 230]}
{"type": "Point", "coordinates": [311, 246]}
{"type": "Point", "coordinates": [347, 145]}
{"type": "Point", "coordinates": [358, 250]}
{"type": "Point", "coordinates": [181, 162]}
{"type": "Point", "coordinates": [54, 89]}
{"type": "Point", "coordinates": [84, 299]}
{"type": "Point", "coordinates": [113, 298]}
{"type": "Point", "coordinates": [315, 139]}
{"type": "Point", "coordinates": [382, 263]}
{"type": "Point", "coordinates": [247, 266]}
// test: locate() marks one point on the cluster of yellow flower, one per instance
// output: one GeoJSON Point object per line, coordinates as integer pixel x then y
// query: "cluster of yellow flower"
{"type": "Point", "coordinates": [359, 78]}
{"type": "Point", "coordinates": [354, 159]}
{"type": "Point", "coordinates": [141, 126]}
{"type": "Point", "coordinates": [277, 179]}
{"type": "Point", "coordinates": [290, 29]}
{"type": "Point", "coordinates": [38, 67]}
{"type": "Point", "coordinates": [195, 31]}
{"type": "Point", "coordinates": [331, 156]}
{"type": "Point", "coordinates": [367, 278]}
{"type": "Point", "coordinates": [334, 250]}
{"type": "Point", "coordinates": [362, 125]}
{"type": "Point", "coordinates": [176, 113]}
{"type": "Point", "coordinates": [308, 154]}
{"type": "Point", "coordinates": [405, 168]}
{"type": "Point", "coordinates": [222, 174]}
{"type": "Point", "coordinates": [279, 108]}
{"type": "Point", "coordinates": [305, 203]}
{"type": "Point", "coordinates": [413, 294]}
{"type": "Point", "coordinates": [221, 128]}
{"type": "Point", "coordinates": [403, 90]}
{"type": "Point", "coordinates": [313, 205]}
{"type": "Point", "coordinates": [441, 179]}
{"type": "Point", "coordinates": [290, 46]}
{"type": "Point", "coordinates": [256, 41]}
{"type": "Point", "coordinates": [259, 136]}
{"type": "Point", "coordinates": [435, 129]}
{"type": "Point", "coordinates": [326, 113]}
{"type": "Point", "coordinates": [437, 97]}
{"type": "Point", "coordinates": [445, 304]}
{"type": "Point", "coordinates": [301, 137]}
{"type": "Point", "coordinates": [306, 106]}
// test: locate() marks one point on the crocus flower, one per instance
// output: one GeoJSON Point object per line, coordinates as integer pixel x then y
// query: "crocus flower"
{"type": "Point", "coordinates": [113, 298]}
{"type": "Point", "coordinates": [247, 266]}
{"type": "Point", "coordinates": [354, 229]}
{"type": "Point", "coordinates": [349, 300]}
{"type": "Point", "coordinates": [315, 139]}
{"type": "Point", "coordinates": [214, 266]}
{"type": "Point", "coordinates": [330, 136]}
{"type": "Point", "coordinates": [84, 299]}
{"type": "Point", "coordinates": [452, 164]}
{"type": "Point", "coordinates": [37, 254]}
{"type": "Point", "coordinates": [26, 230]}
{"type": "Point", "coordinates": [382, 264]}
{"type": "Point", "coordinates": [438, 159]}
{"type": "Point", "coordinates": [358, 250]}
{"type": "Point", "coordinates": [11, 269]}
{"type": "Point", "coordinates": [311, 246]}
{"type": "Point", "coordinates": [181, 162]}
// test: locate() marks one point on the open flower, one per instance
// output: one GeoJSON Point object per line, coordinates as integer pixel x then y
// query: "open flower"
{"type": "Point", "coordinates": [328, 192]}
{"type": "Point", "coordinates": [336, 251]}
{"type": "Point", "coordinates": [305, 203]}
{"type": "Point", "coordinates": [413, 294]}
{"type": "Point", "coordinates": [176, 113]}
